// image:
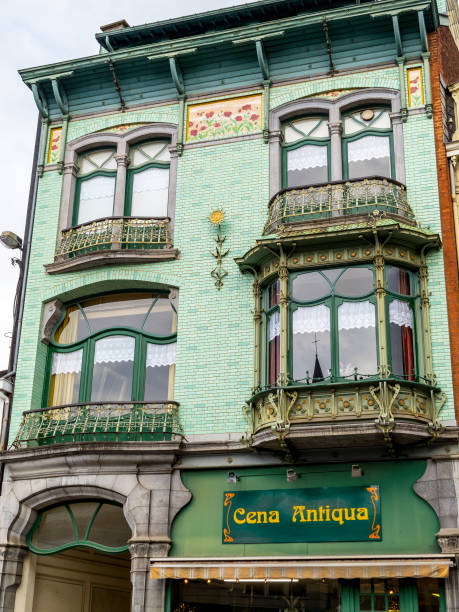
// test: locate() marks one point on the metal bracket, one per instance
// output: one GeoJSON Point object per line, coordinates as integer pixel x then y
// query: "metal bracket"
{"type": "Point", "coordinates": [40, 100]}
{"type": "Point", "coordinates": [177, 75]}
{"type": "Point", "coordinates": [117, 85]}
{"type": "Point", "coordinates": [329, 46]}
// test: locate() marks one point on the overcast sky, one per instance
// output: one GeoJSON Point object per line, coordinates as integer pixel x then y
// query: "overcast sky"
{"type": "Point", "coordinates": [37, 33]}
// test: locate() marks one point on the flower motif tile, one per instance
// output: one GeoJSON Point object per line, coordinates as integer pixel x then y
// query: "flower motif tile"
{"type": "Point", "coordinates": [415, 89]}
{"type": "Point", "coordinates": [224, 118]}
{"type": "Point", "coordinates": [54, 145]}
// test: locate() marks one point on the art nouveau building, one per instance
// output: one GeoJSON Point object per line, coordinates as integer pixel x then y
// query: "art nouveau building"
{"type": "Point", "coordinates": [234, 385]}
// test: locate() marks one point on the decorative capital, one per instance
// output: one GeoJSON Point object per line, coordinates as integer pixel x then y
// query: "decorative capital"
{"type": "Point", "coordinates": [448, 540]}
{"type": "Point", "coordinates": [396, 118]}
{"type": "Point", "coordinates": [71, 168]}
{"type": "Point", "coordinates": [121, 159]}
{"type": "Point", "coordinates": [276, 136]}
{"type": "Point", "coordinates": [335, 127]}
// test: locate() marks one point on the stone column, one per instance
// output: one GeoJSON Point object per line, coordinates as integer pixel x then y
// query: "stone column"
{"type": "Point", "coordinates": [283, 307]}
{"type": "Point", "coordinates": [336, 129]}
{"type": "Point", "coordinates": [122, 161]}
{"type": "Point", "coordinates": [275, 162]}
{"type": "Point", "coordinates": [147, 595]}
{"type": "Point", "coordinates": [397, 132]}
{"type": "Point", "coordinates": [68, 195]}
{"type": "Point", "coordinates": [11, 565]}
{"type": "Point", "coordinates": [257, 320]}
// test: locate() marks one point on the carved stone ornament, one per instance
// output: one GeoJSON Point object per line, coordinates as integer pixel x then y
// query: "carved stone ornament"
{"type": "Point", "coordinates": [448, 540]}
{"type": "Point", "coordinates": [51, 315]}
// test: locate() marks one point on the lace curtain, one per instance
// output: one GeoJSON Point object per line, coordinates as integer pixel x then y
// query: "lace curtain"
{"type": "Point", "coordinates": [309, 156]}
{"type": "Point", "coordinates": [161, 354]}
{"type": "Point", "coordinates": [150, 193]}
{"type": "Point", "coordinates": [355, 315]}
{"type": "Point", "coordinates": [401, 314]}
{"type": "Point", "coordinates": [67, 363]}
{"type": "Point", "coordinates": [96, 198]}
{"type": "Point", "coordinates": [274, 325]}
{"type": "Point", "coordinates": [114, 348]}
{"type": "Point", "coordinates": [311, 319]}
{"type": "Point", "coordinates": [368, 147]}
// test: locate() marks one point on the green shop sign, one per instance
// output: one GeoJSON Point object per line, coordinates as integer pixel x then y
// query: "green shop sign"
{"type": "Point", "coordinates": [335, 514]}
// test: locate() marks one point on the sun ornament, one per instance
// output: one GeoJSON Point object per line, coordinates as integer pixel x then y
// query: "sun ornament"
{"type": "Point", "coordinates": [217, 216]}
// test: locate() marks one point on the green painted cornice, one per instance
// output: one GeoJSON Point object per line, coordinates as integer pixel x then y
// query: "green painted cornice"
{"type": "Point", "coordinates": [372, 9]}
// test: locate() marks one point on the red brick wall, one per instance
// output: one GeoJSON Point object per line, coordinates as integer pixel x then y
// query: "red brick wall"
{"type": "Point", "coordinates": [444, 60]}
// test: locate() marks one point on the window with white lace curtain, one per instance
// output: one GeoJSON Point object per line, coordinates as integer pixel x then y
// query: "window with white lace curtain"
{"type": "Point", "coordinates": [332, 330]}
{"type": "Point", "coordinates": [148, 180]}
{"type": "Point", "coordinates": [95, 188]}
{"type": "Point", "coordinates": [306, 151]}
{"type": "Point", "coordinates": [116, 347]}
{"type": "Point", "coordinates": [367, 143]}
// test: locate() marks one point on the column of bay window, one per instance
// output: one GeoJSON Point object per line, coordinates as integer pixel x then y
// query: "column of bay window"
{"type": "Point", "coordinates": [335, 127]}
{"type": "Point", "coordinates": [68, 195]}
{"type": "Point", "coordinates": [257, 320]}
{"type": "Point", "coordinates": [283, 307]}
{"type": "Point", "coordinates": [384, 370]}
{"type": "Point", "coordinates": [122, 162]}
{"type": "Point", "coordinates": [397, 132]}
{"type": "Point", "coordinates": [425, 318]}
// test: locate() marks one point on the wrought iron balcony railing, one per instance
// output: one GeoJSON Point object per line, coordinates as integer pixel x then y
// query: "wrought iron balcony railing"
{"type": "Point", "coordinates": [99, 422]}
{"type": "Point", "coordinates": [380, 401]}
{"type": "Point", "coordinates": [113, 234]}
{"type": "Point", "coordinates": [337, 200]}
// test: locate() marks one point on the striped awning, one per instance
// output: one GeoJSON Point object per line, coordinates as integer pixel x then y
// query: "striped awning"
{"type": "Point", "coordinates": [314, 568]}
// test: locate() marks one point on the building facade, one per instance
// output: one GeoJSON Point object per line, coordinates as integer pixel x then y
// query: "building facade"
{"type": "Point", "coordinates": [236, 383]}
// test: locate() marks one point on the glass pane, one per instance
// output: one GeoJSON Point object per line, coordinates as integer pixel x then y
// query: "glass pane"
{"type": "Point", "coordinates": [429, 595]}
{"type": "Point", "coordinates": [150, 191]}
{"type": "Point", "coordinates": [110, 527]}
{"type": "Point", "coordinates": [311, 342]}
{"type": "Point", "coordinates": [96, 198]}
{"type": "Point", "coordinates": [307, 165]}
{"type": "Point", "coordinates": [369, 156]}
{"type": "Point", "coordinates": [332, 274]}
{"type": "Point", "coordinates": [365, 602]}
{"type": "Point", "coordinates": [380, 603]}
{"type": "Point", "coordinates": [65, 378]}
{"type": "Point", "coordinates": [113, 368]}
{"type": "Point", "coordinates": [357, 339]}
{"type": "Point", "coordinates": [162, 319]}
{"type": "Point", "coordinates": [83, 513]}
{"type": "Point", "coordinates": [157, 384]}
{"type": "Point", "coordinates": [273, 294]}
{"type": "Point", "coordinates": [351, 125]}
{"type": "Point", "coordinates": [55, 529]}
{"type": "Point", "coordinates": [273, 347]}
{"type": "Point", "coordinates": [382, 122]}
{"type": "Point", "coordinates": [398, 280]}
{"type": "Point", "coordinates": [355, 281]}
{"type": "Point", "coordinates": [149, 151]}
{"type": "Point", "coordinates": [310, 286]}
{"type": "Point", "coordinates": [122, 310]}
{"type": "Point", "coordinates": [73, 328]}
{"type": "Point", "coordinates": [101, 157]}
{"type": "Point", "coordinates": [401, 338]}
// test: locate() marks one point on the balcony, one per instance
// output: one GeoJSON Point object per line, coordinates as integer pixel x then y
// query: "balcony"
{"type": "Point", "coordinates": [113, 240]}
{"type": "Point", "coordinates": [340, 414]}
{"type": "Point", "coordinates": [336, 202]}
{"type": "Point", "coordinates": [99, 422]}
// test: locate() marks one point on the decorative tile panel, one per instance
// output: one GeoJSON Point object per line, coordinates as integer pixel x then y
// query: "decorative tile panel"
{"type": "Point", "coordinates": [54, 145]}
{"type": "Point", "coordinates": [415, 87]}
{"type": "Point", "coordinates": [332, 95]}
{"type": "Point", "coordinates": [224, 118]}
{"type": "Point", "coordinates": [120, 129]}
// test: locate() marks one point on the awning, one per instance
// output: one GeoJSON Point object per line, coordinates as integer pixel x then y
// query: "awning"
{"type": "Point", "coordinates": [315, 568]}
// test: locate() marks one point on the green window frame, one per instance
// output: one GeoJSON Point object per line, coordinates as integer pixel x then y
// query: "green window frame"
{"type": "Point", "coordinates": [78, 541]}
{"type": "Point", "coordinates": [151, 161]}
{"type": "Point", "coordinates": [86, 176]}
{"type": "Point", "coordinates": [305, 138]}
{"type": "Point", "coordinates": [367, 129]}
{"type": "Point", "coordinates": [87, 345]}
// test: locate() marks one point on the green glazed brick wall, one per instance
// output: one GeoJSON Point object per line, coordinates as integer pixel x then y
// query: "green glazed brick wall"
{"type": "Point", "coordinates": [215, 331]}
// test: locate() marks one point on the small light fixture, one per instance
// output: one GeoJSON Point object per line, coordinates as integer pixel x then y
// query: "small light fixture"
{"type": "Point", "coordinates": [186, 581]}
{"type": "Point", "coordinates": [10, 240]}
{"type": "Point", "coordinates": [356, 471]}
{"type": "Point", "coordinates": [232, 477]}
{"type": "Point", "coordinates": [291, 475]}
{"type": "Point", "coordinates": [208, 580]}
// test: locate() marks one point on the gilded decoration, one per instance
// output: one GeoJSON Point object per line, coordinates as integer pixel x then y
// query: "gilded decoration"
{"type": "Point", "coordinates": [224, 118]}
{"type": "Point", "coordinates": [121, 129]}
{"type": "Point", "coordinates": [415, 87]}
{"type": "Point", "coordinates": [54, 145]}
{"type": "Point", "coordinates": [331, 95]}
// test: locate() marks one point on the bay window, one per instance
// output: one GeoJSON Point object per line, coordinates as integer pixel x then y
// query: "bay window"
{"type": "Point", "coordinates": [95, 188]}
{"type": "Point", "coordinates": [148, 181]}
{"type": "Point", "coordinates": [333, 325]}
{"type": "Point", "coordinates": [118, 347]}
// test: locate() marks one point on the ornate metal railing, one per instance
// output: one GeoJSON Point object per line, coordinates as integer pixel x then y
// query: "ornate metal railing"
{"type": "Point", "coordinates": [113, 234]}
{"type": "Point", "coordinates": [99, 422]}
{"type": "Point", "coordinates": [382, 401]}
{"type": "Point", "coordinates": [337, 200]}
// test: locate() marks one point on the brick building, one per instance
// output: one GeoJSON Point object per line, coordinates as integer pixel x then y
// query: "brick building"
{"type": "Point", "coordinates": [236, 374]}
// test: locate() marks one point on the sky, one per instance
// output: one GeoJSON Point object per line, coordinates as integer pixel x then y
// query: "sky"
{"type": "Point", "coordinates": [37, 33]}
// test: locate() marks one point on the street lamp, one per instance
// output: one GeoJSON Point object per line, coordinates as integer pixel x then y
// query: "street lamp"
{"type": "Point", "coordinates": [10, 240]}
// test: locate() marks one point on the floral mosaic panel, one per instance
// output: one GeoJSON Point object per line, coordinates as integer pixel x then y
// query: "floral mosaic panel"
{"type": "Point", "coordinates": [415, 87]}
{"type": "Point", "coordinates": [224, 118]}
{"type": "Point", "coordinates": [120, 129]}
{"type": "Point", "coordinates": [331, 95]}
{"type": "Point", "coordinates": [54, 145]}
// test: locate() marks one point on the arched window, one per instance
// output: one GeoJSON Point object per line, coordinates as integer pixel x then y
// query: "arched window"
{"type": "Point", "coordinates": [118, 347]}
{"type": "Point", "coordinates": [306, 151]}
{"type": "Point", "coordinates": [367, 143]}
{"type": "Point", "coordinates": [95, 188]}
{"type": "Point", "coordinates": [88, 523]}
{"type": "Point", "coordinates": [148, 180]}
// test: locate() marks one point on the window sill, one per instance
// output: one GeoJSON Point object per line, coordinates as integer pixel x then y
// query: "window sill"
{"type": "Point", "coordinates": [113, 240]}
